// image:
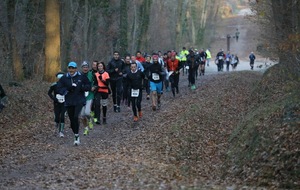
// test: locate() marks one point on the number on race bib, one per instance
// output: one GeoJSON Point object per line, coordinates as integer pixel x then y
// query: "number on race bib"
{"type": "Point", "coordinates": [135, 92]}
{"type": "Point", "coordinates": [155, 76]}
{"type": "Point", "coordinates": [220, 57]}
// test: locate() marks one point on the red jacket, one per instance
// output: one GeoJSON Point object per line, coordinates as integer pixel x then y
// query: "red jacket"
{"type": "Point", "coordinates": [173, 65]}
{"type": "Point", "coordinates": [141, 59]}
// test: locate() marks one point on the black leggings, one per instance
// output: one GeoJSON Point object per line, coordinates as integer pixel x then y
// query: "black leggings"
{"type": "Point", "coordinates": [117, 89]}
{"type": "Point", "coordinates": [174, 80]}
{"type": "Point", "coordinates": [136, 103]}
{"type": "Point", "coordinates": [59, 112]}
{"type": "Point", "coordinates": [98, 97]}
{"type": "Point", "coordinates": [220, 65]}
{"type": "Point", "coordinates": [147, 86]}
{"type": "Point", "coordinates": [73, 113]}
{"type": "Point", "coordinates": [192, 74]}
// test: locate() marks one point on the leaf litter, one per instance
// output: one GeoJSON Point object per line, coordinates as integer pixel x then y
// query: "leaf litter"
{"type": "Point", "coordinates": [184, 145]}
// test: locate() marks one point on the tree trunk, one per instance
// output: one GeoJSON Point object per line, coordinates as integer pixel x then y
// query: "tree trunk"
{"type": "Point", "coordinates": [20, 34]}
{"type": "Point", "coordinates": [85, 30]}
{"type": "Point", "coordinates": [178, 33]}
{"type": "Point", "coordinates": [52, 44]}
{"type": "Point", "coordinates": [17, 64]}
{"type": "Point", "coordinates": [123, 28]}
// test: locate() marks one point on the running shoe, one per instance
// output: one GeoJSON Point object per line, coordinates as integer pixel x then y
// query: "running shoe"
{"type": "Point", "coordinates": [118, 109]}
{"type": "Point", "coordinates": [148, 97]}
{"type": "Point", "coordinates": [154, 108]}
{"type": "Point", "coordinates": [76, 140]}
{"type": "Point", "coordinates": [61, 134]}
{"type": "Point", "coordinates": [104, 121]}
{"type": "Point", "coordinates": [140, 114]}
{"type": "Point", "coordinates": [86, 131]}
{"type": "Point", "coordinates": [135, 118]}
{"type": "Point", "coordinates": [193, 87]}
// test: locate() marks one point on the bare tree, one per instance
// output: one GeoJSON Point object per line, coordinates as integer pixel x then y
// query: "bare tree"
{"type": "Point", "coordinates": [52, 41]}
{"type": "Point", "coordinates": [280, 31]}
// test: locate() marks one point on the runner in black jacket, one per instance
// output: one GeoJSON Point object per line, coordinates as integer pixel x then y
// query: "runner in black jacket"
{"type": "Point", "coordinates": [115, 70]}
{"type": "Point", "coordinates": [59, 107]}
{"type": "Point", "coordinates": [135, 84]}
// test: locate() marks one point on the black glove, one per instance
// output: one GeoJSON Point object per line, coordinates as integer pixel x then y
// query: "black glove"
{"type": "Point", "coordinates": [100, 77]}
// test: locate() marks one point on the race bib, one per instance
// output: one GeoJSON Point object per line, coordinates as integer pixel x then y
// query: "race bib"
{"type": "Point", "coordinates": [220, 57]}
{"type": "Point", "coordinates": [227, 59]}
{"type": "Point", "coordinates": [60, 98]}
{"type": "Point", "coordinates": [135, 92]}
{"type": "Point", "coordinates": [155, 76]}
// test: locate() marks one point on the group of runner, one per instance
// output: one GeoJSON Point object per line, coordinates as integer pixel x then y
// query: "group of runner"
{"type": "Point", "coordinates": [227, 59]}
{"type": "Point", "coordinates": [84, 94]}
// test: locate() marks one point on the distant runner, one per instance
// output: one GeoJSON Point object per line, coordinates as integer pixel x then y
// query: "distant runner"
{"type": "Point", "coordinates": [252, 59]}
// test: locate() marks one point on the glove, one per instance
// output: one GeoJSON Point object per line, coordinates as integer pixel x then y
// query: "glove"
{"type": "Point", "coordinates": [74, 84]}
{"type": "Point", "coordinates": [100, 77]}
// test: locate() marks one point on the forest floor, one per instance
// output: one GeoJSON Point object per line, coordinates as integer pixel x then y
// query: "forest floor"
{"type": "Point", "coordinates": [152, 153]}
{"type": "Point", "coordinates": [184, 145]}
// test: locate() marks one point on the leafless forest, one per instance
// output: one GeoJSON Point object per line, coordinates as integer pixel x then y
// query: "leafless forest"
{"type": "Point", "coordinates": [237, 130]}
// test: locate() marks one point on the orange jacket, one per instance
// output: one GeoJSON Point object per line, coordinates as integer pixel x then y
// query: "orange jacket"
{"type": "Point", "coordinates": [102, 87]}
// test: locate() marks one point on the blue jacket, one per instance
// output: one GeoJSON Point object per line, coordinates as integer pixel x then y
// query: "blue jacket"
{"type": "Point", "coordinates": [73, 95]}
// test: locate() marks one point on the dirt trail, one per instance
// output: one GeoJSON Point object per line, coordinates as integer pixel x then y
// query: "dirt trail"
{"type": "Point", "coordinates": [246, 43]}
{"type": "Point", "coordinates": [128, 155]}
{"type": "Point", "coordinates": [247, 40]}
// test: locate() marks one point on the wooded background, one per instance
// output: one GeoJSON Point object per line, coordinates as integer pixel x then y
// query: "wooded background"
{"type": "Point", "coordinates": [39, 38]}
